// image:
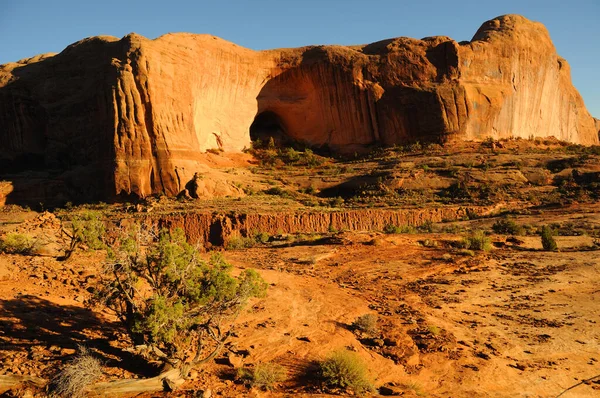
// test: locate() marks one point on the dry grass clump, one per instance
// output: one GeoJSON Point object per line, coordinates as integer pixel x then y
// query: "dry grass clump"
{"type": "Point", "coordinates": [15, 243]}
{"type": "Point", "coordinates": [264, 375]}
{"type": "Point", "coordinates": [366, 323]}
{"type": "Point", "coordinates": [76, 376]}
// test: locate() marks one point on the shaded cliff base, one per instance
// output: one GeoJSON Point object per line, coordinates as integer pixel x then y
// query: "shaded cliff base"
{"type": "Point", "coordinates": [515, 320]}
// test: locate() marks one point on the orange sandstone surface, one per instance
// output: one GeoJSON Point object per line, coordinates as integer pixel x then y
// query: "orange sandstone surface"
{"type": "Point", "coordinates": [134, 116]}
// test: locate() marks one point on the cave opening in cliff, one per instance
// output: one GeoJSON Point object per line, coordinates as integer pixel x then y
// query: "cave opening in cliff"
{"type": "Point", "coordinates": [268, 125]}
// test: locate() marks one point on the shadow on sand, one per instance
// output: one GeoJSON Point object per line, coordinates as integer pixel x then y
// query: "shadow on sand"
{"type": "Point", "coordinates": [29, 321]}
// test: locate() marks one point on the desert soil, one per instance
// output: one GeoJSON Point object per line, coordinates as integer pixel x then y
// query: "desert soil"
{"type": "Point", "coordinates": [516, 321]}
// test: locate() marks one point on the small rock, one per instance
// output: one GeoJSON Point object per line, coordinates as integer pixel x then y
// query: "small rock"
{"type": "Point", "coordinates": [206, 393]}
{"type": "Point", "coordinates": [234, 360]}
{"type": "Point", "coordinates": [389, 390]}
{"type": "Point", "coordinates": [68, 351]}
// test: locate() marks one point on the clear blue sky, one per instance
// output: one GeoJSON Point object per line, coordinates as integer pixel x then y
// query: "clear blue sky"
{"type": "Point", "coordinates": [29, 27]}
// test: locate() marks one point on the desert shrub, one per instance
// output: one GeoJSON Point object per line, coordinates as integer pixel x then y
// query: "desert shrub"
{"type": "Point", "coordinates": [402, 229]}
{"type": "Point", "coordinates": [264, 375]}
{"type": "Point", "coordinates": [310, 190]}
{"type": "Point", "coordinates": [366, 323]}
{"type": "Point", "coordinates": [415, 147]}
{"type": "Point", "coordinates": [278, 191]}
{"type": "Point", "coordinates": [477, 241]}
{"type": "Point", "coordinates": [458, 191]}
{"type": "Point", "coordinates": [78, 374]}
{"type": "Point", "coordinates": [466, 252]}
{"type": "Point", "coordinates": [507, 226]}
{"type": "Point", "coordinates": [548, 242]}
{"type": "Point", "coordinates": [336, 202]}
{"type": "Point", "coordinates": [430, 243]}
{"type": "Point", "coordinates": [312, 160]}
{"type": "Point", "coordinates": [15, 243]}
{"type": "Point", "coordinates": [428, 227]}
{"type": "Point", "coordinates": [181, 307]}
{"type": "Point", "coordinates": [345, 369]}
{"type": "Point", "coordinates": [238, 242]}
{"type": "Point", "coordinates": [86, 228]}
{"type": "Point", "coordinates": [262, 237]}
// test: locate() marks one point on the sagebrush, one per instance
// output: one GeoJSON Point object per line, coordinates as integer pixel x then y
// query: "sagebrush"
{"type": "Point", "coordinates": [477, 241]}
{"type": "Point", "coordinates": [345, 369]}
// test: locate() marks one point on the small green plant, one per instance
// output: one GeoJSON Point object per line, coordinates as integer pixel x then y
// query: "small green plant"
{"type": "Point", "coordinates": [434, 330]}
{"type": "Point", "coordinates": [310, 190]}
{"type": "Point", "coordinates": [345, 369]}
{"type": "Point", "coordinates": [264, 375]}
{"type": "Point", "coordinates": [428, 227]}
{"type": "Point", "coordinates": [336, 202]}
{"type": "Point", "coordinates": [366, 323]}
{"type": "Point", "coordinates": [416, 388]}
{"type": "Point", "coordinates": [507, 226]}
{"type": "Point", "coordinates": [402, 229]}
{"type": "Point", "coordinates": [548, 242]}
{"type": "Point", "coordinates": [262, 237]}
{"type": "Point", "coordinates": [86, 228]}
{"type": "Point", "coordinates": [415, 147]}
{"type": "Point", "coordinates": [278, 191]}
{"type": "Point", "coordinates": [477, 241]}
{"type": "Point", "coordinates": [430, 243]}
{"type": "Point", "coordinates": [238, 242]}
{"type": "Point", "coordinates": [15, 243]}
{"type": "Point", "coordinates": [466, 252]}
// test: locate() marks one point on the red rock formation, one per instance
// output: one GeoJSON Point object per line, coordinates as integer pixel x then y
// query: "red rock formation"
{"type": "Point", "coordinates": [131, 116]}
{"type": "Point", "coordinates": [217, 229]}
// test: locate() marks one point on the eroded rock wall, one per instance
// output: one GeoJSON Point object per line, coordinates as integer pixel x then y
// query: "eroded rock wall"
{"type": "Point", "coordinates": [216, 229]}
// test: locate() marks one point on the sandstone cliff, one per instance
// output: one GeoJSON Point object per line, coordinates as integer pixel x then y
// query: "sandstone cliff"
{"type": "Point", "coordinates": [129, 117]}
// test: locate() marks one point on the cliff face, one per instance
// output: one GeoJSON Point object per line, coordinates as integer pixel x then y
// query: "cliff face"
{"type": "Point", "coordinates": [518, 86]}
{"type": "Point", "coordinates": [131, 116]}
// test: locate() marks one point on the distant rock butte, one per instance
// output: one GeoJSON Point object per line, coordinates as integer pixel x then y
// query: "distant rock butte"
{"type": "Point", "coordinates": [131, 116]}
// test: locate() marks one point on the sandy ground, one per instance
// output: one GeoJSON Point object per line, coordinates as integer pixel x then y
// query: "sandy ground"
{"type": "Point", "coordinates": [513, 322]}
